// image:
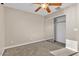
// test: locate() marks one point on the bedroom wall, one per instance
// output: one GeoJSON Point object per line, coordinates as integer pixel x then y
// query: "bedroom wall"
{"type": "Point", "coordinates": [71, 22]}
{"type": "Point", "coordinates": [72, 25]}
{"type": "Point", "coordinates": [70, 13]}
{"type": "Point", "coordinates": [2, 30]}
{"type": "Point", "coordinates": [49, 24]}
{"type": "Point", "coordinates": [77, 22]}
{"type": "Point", "coordinates": [23, 27]}
{"type": "Point", "coordinates": [49, 28]}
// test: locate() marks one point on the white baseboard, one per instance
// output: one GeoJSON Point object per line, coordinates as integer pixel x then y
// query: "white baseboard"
{"type": "Point", "coordinates": [24, 44]}
{"type": "Point", "coordinates": [72, 49]}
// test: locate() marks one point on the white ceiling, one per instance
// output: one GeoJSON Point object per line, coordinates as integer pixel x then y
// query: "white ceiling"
{"type": "Point", "coordinates": [29, 7]}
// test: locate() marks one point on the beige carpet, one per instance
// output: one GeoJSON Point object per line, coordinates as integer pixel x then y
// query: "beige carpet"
{"type": "Point", "coordinates": [35, 49]}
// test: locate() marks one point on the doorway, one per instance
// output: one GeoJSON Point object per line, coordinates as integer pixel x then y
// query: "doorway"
{"type": "Point", "coordinates": [60, 28]}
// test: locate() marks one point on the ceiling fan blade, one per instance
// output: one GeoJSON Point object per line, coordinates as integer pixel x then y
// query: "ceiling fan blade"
{"type": "Point", "coordinates": [55, 4]}
{"type": "Point", "coordinates": [38, 9]}
{"type": "Point", "coordinates": [48, 10]}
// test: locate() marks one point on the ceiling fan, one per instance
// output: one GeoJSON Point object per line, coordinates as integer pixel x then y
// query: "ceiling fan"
{"type": "Point", "coordinates": [45, 6]}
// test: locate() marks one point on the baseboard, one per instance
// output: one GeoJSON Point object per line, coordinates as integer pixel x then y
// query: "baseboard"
{"type": "Point", "coordinates": [60, 42]}
{"type": "Point", "coordinates": [72, 49]}
{"type": "Point", "coordinates": [24, 44]}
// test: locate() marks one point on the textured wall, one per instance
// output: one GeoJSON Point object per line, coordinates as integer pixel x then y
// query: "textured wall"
{"type": "Point", "coordinates": [2, 29]}
{"type": "Point", "coordinates": [23, 27]}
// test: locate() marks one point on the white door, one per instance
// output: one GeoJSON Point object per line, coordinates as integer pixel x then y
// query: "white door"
{"type": "Point", "coordinates": [60, 29]}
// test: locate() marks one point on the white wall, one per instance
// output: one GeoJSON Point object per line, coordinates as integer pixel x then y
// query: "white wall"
{"type": "Point", "coordinates": [2, 30]}
{"type": "Point", "coordinates": [77, 22]}
{"type": "Point", "coordinates": [70, 13]}
{"type": "Point", "coordinates": [72, 23]}
{"type": "Point", "coordinates": [49, 24]}
{"type": "Point", "coordinates": [49, 30]}
{"type": "Point", "coordinates": [23, 27]}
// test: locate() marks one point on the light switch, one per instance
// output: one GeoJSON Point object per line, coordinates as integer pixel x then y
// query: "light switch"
{"type": "Point", "coordinates": [75, 29]}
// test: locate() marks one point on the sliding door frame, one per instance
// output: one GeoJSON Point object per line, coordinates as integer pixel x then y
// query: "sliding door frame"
{"type": "Point", "coordinates": [55, 26]}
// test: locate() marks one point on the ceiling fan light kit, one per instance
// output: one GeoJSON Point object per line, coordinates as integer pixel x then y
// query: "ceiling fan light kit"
{"type": "Point", "coordinates": [45, 6]}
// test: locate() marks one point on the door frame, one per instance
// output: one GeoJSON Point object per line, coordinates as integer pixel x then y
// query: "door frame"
{"type": "Point", "coordinates": [55, 26]}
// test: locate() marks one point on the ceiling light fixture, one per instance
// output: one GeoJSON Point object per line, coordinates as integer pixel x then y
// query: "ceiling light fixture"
{"type": "Point", "coordinates": [44, 6]}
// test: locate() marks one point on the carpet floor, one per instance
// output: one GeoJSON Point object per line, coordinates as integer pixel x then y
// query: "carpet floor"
{"type": "Point", "coordinates": [42, 48]}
